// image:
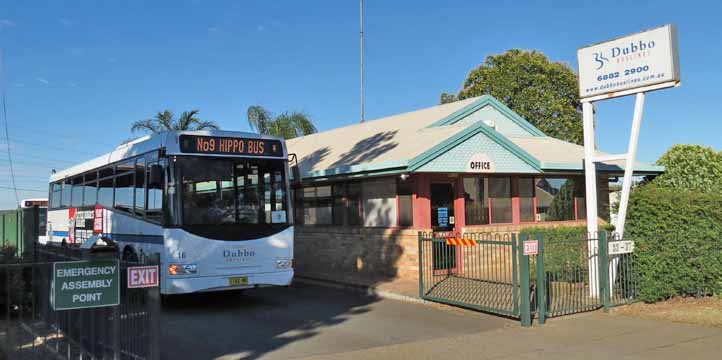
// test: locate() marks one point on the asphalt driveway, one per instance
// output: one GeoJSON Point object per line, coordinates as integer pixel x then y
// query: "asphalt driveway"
{"type": "Point", "coordinates": [303, 320]}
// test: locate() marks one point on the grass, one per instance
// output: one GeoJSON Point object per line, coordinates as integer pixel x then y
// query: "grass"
{"type": "Point", "coordinates": [706, 311]}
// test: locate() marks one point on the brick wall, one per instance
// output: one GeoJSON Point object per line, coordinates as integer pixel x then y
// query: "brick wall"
{"type": "Point", "coordinates": [356, 254]}
{"type": "Point", "coordinates": [368, 256]}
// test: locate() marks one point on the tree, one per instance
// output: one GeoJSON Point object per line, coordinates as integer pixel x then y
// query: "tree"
{"type": "Point", "coordinates": [287, 125]}
{"type": "Point", "coordinates": [164, 121]}
{"type": "Point", "coordinates": [543, 92]}
{"type": "Point", "coordinates": [691, 168]}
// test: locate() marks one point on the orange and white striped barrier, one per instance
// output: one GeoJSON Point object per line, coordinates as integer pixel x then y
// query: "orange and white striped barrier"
{"type": "Point", "coordinates": [460, 242]}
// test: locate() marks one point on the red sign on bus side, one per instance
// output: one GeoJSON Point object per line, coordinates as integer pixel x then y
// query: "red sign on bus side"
{"type": "Point", "coordinates": [142, 276]}
{"type": "Point", "coordinates": [98, 219]}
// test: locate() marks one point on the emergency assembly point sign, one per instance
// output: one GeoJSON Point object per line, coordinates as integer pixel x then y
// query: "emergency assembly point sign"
{"type": "Point", "coordinates": [85, 284]}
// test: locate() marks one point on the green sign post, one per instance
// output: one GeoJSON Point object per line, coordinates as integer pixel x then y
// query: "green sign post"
{"type": "Point", "coordinates": [85, 284]}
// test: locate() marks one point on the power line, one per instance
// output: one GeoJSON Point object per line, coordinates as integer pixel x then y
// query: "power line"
{"type": "Point", "coordinates": [8, 140]}
{"type": "Point", "coordinates": [62, 134]}
{"type": "Point", "coordinates": [16, 190]}
{"type": "Point", "coordinates": [7, 133]}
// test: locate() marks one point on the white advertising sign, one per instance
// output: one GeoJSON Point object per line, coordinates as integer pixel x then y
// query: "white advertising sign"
{"type": "Point", "coordinates": [479, 163]}
{"type": "Point", "coordinates": [646, 60]}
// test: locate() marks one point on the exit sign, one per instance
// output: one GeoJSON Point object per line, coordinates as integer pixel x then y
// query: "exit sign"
{"type": "Point", "coordinates": [531, 247]}
{"type": "Point", "coordinates": [142, 276]}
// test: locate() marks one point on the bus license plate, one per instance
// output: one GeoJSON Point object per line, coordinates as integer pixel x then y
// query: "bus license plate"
{"type": "Point", "coordinates": [238, 280]}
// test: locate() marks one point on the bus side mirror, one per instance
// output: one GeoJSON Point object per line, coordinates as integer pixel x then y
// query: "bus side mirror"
{"type": "Point", "coordinates": [156, 176]}
{"type": "Point", "coordinates": [296, 174]}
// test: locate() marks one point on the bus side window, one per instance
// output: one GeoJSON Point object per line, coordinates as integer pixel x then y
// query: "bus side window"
{"type": "Point", "coordinates": [55, 195]}
{"type": "Point", "coordinates": [140, 180]}
{"type": "Point", "coordinates": [67, 190]}
{"type": "Point", "coordinates": [77, 192]}
{"type": "Point", "coordinates": [154, 207]}
{"type": "Point", "coordinates": [90, 189]}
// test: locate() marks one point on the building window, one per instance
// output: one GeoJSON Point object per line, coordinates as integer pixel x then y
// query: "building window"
{"type": "Point", "coordinates": [379, 199]}
{"type": "Point", "coordinates": [557, 198]}
{"type": "Point", "coordinates": [526, 199]}
{"type": "Point", "coordinates": [476, 190]}
{"type": "Point", "coordinates": [500, 199]}
{"type": "Point", "coordinates": [405, 193]}
{"type": "Point", "coordinates": [317, 205]}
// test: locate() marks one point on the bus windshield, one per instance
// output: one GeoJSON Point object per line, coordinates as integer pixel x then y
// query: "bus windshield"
{"type": "Point", "coordinates": [233, 191]}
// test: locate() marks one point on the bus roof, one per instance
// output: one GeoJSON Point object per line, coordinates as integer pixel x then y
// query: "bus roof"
{"type": "Point", "coordinates": [168, 140]}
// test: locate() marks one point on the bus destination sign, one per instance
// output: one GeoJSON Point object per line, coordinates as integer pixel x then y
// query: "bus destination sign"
{"type": "Point", "coordinates": [230, 146]}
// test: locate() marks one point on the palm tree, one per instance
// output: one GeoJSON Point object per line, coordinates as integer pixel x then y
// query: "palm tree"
{"type": "Point", "coordinates": [287, 125]}
{"type": "Point", "coordinates": [164, 121]}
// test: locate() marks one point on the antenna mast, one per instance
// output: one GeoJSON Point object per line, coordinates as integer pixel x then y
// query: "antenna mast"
{"type": "Point", "coordinates": [361, 33]}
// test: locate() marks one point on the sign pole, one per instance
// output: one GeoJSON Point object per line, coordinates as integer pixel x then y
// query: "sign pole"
{"type": "Point", "coordinates": [590, 174]}
{"type": "Point", "coordinates": [629, 166]}
{"type": "Point", "coordinates": [627, 182]}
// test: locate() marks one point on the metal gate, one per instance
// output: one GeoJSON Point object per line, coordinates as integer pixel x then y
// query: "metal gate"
{"type": "Point", "coordinates": [477, 271]}
{"type": "Point", "coordinates": [557, 276]}
{"type": "Point", "coordinates": [31, 329]}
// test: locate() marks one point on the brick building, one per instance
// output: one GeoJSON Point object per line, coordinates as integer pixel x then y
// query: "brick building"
{"type": "Point", "coordinates": [469, 166]}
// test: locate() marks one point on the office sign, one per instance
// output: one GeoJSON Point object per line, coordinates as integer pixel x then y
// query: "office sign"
{"type": "Point", "coordinates": [85, 284]}
{"type": "Point", "coordinates": [219, 145]}
{"type": "Point", "coordinates": [479, 163]}
{"type": "Point", "coordinates": [643, 61]}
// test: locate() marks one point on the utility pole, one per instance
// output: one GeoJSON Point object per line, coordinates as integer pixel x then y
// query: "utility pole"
{"type": "Point", "coordinates": [361, 33]}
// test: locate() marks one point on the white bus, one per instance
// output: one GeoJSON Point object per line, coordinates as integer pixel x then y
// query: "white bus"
{"type": "Point", "coordinates": [213, 204]}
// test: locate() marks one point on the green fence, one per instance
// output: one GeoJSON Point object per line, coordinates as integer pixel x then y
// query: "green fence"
{"type": "Point", "coordinates": [527, 276]}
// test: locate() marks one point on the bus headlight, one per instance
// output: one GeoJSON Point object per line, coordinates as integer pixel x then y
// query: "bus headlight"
{"type": "Point", "coordinates": [284, 263]}
{"type": "Point", "coordinates": [182, 269]}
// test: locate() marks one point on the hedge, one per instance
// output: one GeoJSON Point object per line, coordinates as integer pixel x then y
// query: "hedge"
{"type": "Point", "coordinates": [678, 242]}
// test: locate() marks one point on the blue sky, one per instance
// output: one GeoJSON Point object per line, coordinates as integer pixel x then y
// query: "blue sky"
{"type": "Point", "coordinates": [78, 73]}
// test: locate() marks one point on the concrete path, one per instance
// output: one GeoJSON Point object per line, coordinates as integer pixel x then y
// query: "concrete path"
{"type": "Point", "coordinates": [304, 320]}
{"type": "Point", "coordinates": [588, 337]}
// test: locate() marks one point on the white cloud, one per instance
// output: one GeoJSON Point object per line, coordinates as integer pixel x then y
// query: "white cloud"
{"type": "Point", "coordinates": [42, 80]}
{"type": "Point", "coordinates": [6, 23]}
{"type": "Point", "coordinates": [72, 84]}
{"type": "Point", "coordinates": [65, 22]}
{"type": "Point", "coordinates": [214, 28]}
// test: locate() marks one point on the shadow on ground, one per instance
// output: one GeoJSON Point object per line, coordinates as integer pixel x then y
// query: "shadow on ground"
{"type": "Point", "coordinates": [249, 324]}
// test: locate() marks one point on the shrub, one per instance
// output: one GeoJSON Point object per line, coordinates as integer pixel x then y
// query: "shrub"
{"type": "Point", "coordinates": [678, 242]}
{"type": "Point", "coordinates": [691, 168]}
{"type": "Point", "coordinates": [565, 249]}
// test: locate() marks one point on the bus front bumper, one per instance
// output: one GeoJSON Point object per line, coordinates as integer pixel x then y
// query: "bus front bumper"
{"type": "Point", "coordinates": [219, 283]}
